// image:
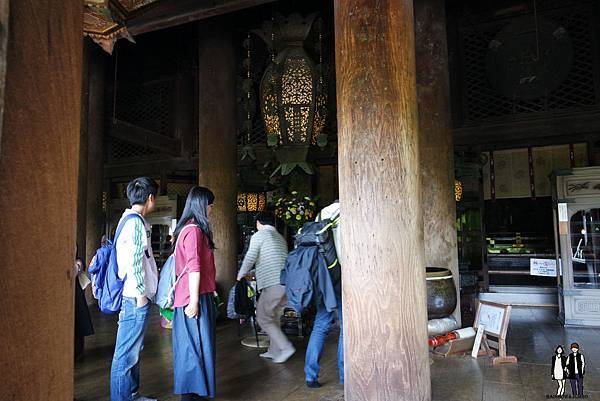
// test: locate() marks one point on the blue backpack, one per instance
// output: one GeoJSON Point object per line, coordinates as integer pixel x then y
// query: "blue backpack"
{"type": "Point", "coordinates": [166, 284]}
{"type": "Point", "coordinates": [105, 273]}
{"type": "Point", "coordinates": [168, 279]}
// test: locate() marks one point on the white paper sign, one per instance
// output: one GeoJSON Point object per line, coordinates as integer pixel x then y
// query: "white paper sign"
{"type": "Point", "coordinates": [542, 267]}
{"type": "Point", "coordinates": [491, 317]}
{"type": "Point", "coordinates": [563, 214]}
{"type": "Point", "coordinates": [477, 343]}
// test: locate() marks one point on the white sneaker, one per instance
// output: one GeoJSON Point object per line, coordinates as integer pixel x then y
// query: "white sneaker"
{"type": "Point", "coordinates": [267, 355]}
{"type": "Point", "coordinates": [142, 398]}
{"type": "Point", "coordinates": [285, 355]}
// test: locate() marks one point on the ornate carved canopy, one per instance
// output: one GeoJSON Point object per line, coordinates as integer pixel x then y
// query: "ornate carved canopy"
{"type": "Point", "coordinates": [104, 20]}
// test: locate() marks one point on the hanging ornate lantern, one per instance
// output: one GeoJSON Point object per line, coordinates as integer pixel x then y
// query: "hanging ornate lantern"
{"type": "Point", "coordinates": [458, 190]}
{"type": "Point", "coordinates": [292, 94]}
{"type": "Point", "coordinates": [252, 202]}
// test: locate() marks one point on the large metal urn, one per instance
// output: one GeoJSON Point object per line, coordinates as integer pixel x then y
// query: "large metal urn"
{"type": "Point", "coordinates": [441, 293]}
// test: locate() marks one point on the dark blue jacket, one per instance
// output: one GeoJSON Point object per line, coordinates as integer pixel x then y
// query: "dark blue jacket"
{"type": "Point", "coordinates": [327, 289]}
{"type": "Point", "coordinates": [306, 277]}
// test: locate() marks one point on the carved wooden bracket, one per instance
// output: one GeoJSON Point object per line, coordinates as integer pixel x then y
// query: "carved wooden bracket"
{"type": "Point", "coordinates": [105, 20]}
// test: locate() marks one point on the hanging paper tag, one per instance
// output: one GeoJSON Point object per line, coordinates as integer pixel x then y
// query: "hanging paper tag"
{"type": "Point", "coordinates": [563, 215]}
{"type": "Point", "coordinates": [563, 219]}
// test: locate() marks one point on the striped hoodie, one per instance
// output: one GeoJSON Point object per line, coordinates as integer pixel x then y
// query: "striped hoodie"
{"type": "Point", "coordinates": [135, 258]}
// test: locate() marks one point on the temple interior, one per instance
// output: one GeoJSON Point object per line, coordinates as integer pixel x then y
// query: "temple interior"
{"type": "Point", "coordinates": [461, 139]}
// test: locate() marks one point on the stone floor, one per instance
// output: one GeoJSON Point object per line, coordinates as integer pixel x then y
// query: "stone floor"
{"type": "Point", "coordinates": [242, 375]}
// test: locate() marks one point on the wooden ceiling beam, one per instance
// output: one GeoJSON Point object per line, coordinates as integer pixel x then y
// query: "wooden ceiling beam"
{"type": "Point", "coordinates": [143, 137]}
{"type": "Point", "coordinates": [129, 169]}
{"type": "Point", "coordinates": [167, 14]}
{"type": "Point", "coordinates": [512, 131]}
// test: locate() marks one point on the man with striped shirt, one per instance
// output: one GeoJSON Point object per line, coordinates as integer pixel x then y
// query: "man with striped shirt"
{"type": "Point", "coordinates": [267, 253]}
{"type": "Point", "coordinates": [137, 269]}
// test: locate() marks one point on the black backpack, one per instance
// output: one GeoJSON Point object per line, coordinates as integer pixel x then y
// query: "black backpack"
{"type": "Point", "coordinates": [244, 298]}
{"type": "Point", "coordinates": [301, 277]}
{"type": "Point", "coordinates": [320, 234]}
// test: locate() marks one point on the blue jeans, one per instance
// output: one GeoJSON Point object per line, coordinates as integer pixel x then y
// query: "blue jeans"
{"type": "Point", "coordinates": [577, 385]}
{"type": "Point", "coordinates": [323, 323]}
{"type": "Point", "coordinates": [125, 370]}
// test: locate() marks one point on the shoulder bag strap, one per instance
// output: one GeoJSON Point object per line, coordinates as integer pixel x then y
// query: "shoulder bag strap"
{"type": "Point", "coordinates": [120, 228]}
{"type": "Point", "coordinates": [122, 225]}
{"type": "Point", "coordinates": [175, 256]}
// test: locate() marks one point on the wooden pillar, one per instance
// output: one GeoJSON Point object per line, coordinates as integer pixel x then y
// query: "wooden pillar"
{"type": "Point", "coordinates": [4, 12]}
{"type": "Point", "coordinates": [435, 139]}
{"type": "Point", "coordinates": [91, 155]}
{"type": "Point", "coordinates": [385, 314]}
{"type": "Point", "coordinates": [83, 154]}
{"type": "Point", "coordinates": [95, 154]}
{"type": "Point", "coordinates": [38, 201]}
{"type": "Point", "coordinates": [217, 141]}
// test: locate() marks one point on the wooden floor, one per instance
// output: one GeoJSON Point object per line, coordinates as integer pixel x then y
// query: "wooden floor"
{"type": "Point", "coordinates": [242, 375]}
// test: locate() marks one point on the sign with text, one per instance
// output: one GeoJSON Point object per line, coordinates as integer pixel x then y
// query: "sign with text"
{"type": "Point", "coordinates": [492, 317]}
{"type": "Point", "coordinates": [563, 212]}
{"type": "Point", "coordinates": [542, 267]}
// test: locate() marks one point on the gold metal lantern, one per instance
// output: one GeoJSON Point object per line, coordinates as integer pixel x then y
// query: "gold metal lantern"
{"type": "Point", "coordinates": [292, 93]}
{"type": "Point", "coordinates": [458, 190]}
{"type": "Point", "coordinates": [252, 202]}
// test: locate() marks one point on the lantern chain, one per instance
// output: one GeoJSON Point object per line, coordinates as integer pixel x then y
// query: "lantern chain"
{"type": "Point", "coordinates": [114, 111]}
{"type": "Point", "coordinates": [321, 54]}
{"type": "Point", "coordinates": [249, 87]}
{"type": "Point", "coordinates": [272, 38]}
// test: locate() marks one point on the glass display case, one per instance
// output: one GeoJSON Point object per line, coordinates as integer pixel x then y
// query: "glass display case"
{"type": "Point", "coordinates": [577, 228]}
{"type": "Point", "coordinates": [584, 226]}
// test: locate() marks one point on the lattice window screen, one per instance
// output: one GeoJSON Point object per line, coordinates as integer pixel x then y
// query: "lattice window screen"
{"type": "Point", "coordinates": [147, 106]}
{"type": "Point", "coordinates": [127, 150]}
{"type": "Point", "coordinates": [178, 189]}
{"type": "Point", "coordinates": [578, 88]}
{"type": "Point", "coordinates": [482, 102]}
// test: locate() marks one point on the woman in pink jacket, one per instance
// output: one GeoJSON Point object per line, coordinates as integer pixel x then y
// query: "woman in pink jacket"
{"type": "Point", "coordinates": [194, 316]}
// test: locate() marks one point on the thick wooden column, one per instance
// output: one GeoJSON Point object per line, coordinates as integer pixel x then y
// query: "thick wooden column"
{"type": "Point", "coordinates": [385, 316]}
{"type": "Point", "coordinates": [83, 153]}
{"type": "Point", "coordinates": [38, 201]}
{"type": "Point", "coordinates": [4, 12]}
{"type": "Point", "coordinates": [217, 141]}
{"type": "Point", "coordinates": [435, 139]}
{"type": "Point", "coordinates": [95, 154]}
